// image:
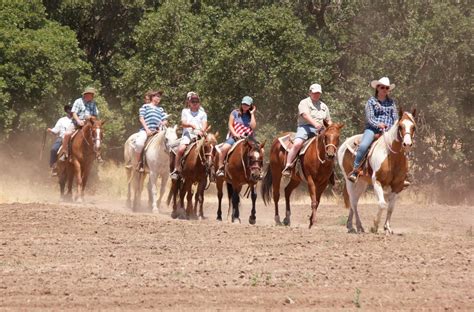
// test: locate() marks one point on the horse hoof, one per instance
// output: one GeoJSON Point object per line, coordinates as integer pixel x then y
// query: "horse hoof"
{"type": "Point", "coordinates": [235, 220]}
{"type": "Point", "coordinates": [373, 230]}
{"type": "Point", "coordinates": [155, 210]}
{"type": "Point", "coordinates": [286, 221]}
{"type": "Point", "coordinates": [277, 220]}
{"type": "Point", "coordinates": [360, 230]}
{"type": "Point", "coordinates": [202, 218]}
{"type": "Point", "coordinates": [174, 214]}
{"type": "Point", "coordinates": [219, 218]}
{"type": "Point", "coordinates": [252, 220]}
{"type": "Point", "coordinates": [351, 231]}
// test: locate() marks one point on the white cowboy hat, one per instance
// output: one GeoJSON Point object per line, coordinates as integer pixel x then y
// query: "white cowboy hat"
{"type": "Point", "coordinates": [382, 81]}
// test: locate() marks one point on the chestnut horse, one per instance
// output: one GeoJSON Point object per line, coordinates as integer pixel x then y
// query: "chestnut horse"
{"type": "Point", "coordinates": [388, 166]}
{"type": "Point", "coordinates": [85, 147]}
{"type": "Point", "coordinates": [317, 165]}
{"type": "Point", "coordinates": [244, 166]}
{"type": "Point", "coordinates": [195, 170]}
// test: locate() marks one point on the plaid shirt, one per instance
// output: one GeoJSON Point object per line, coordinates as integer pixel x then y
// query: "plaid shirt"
{"type": "Point", "coordinates": [84, 109]}
{"type": "Point", "coordinates": [377, 112]}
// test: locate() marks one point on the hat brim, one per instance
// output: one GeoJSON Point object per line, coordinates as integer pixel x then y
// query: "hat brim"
{"type": "Point", "coordinates": [244, 103]}
{"type": "Point", "coordinates": [375, 83]}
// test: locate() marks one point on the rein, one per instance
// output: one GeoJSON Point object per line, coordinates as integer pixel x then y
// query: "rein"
{"type": "Point", "coordinates": [326, 146]}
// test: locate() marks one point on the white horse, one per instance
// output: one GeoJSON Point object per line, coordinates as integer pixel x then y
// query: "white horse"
{"type": "Point", "coordinates": [156, 164]}
{"type": "Point", "coordinates": [388, 167]}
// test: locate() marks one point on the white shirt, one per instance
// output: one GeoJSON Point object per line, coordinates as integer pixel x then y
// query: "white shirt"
{"type": "Point", "coordinates": [62, 125]}
{"type": "Point", "coordinates": [194, 118]}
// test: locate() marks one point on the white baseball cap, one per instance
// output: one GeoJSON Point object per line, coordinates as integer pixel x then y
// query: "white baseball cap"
{"type": "Point", "coordinates": [315, 88]}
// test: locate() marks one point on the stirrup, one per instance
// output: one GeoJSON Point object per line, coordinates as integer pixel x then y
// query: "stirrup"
{"type": "Point", "coordinates": [287, 171]}
{"type": "Point", "coordinates": [175, 175]}
{"type": "Point", "coordinates": [353, 176]}
{"type": "Point", "coordinates": [63, 157]}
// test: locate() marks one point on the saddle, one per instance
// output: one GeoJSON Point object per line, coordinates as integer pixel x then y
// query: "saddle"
{"type": "Point", "coordinates": [149, 140]}
{"type": "Point", "coordinates": [195, 141]}
{"type": "Point", "coordinates": [234, 146]}
{"type": "Point", "coordinates": [286, 142]}
{"type": "Point", "coordinates": [364, 167]}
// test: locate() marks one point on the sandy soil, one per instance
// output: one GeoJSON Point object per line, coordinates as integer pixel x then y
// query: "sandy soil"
{"type": "Point", "coordinates": [101, 256]}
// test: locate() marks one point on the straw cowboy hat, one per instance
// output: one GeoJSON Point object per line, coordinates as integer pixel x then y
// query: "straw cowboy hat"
{"type": "Point", "coordinates": [89, 90]}
{"type": "Point", "coordinates": [382, 81]}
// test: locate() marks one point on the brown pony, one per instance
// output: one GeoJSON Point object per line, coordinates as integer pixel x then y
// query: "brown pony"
{"type": "Point", "coordinates": [388, 168]}
{"type": "Point", "coordinates": [317, 165]}
{"type": "Point", "coordinates": [85, 147]}
{"type": "Point", "coordinates": [195, 169]}
{"type": "Point", "coordinates": [244, 166]}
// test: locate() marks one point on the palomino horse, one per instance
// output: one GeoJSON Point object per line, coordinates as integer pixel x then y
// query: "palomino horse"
{"type": "Point", "coordinates": [388, 166]}
{"type": "Point", "coordinates": [85, 147]}
{"type": "Point", "coordinates": [317, 167]}
{"type": "Point", "coordinates": [195, 169]}
{"type": "Point", "coordinates": [244, 166]}
{"type": "Point", "coordinates": [156, 158]}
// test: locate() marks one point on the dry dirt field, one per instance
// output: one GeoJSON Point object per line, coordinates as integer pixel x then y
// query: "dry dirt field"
{"type": "Point", "coordinates": [100, 256]}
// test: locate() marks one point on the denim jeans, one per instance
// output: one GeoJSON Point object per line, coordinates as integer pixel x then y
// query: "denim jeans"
{"type": "Point", "coordinates": [367, 139]}
{"type": "Point", "coordinates": [54, 151]}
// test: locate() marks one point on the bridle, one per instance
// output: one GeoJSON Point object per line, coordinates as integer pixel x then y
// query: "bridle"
{"type": "Point", "coordinates": [250, 162]}
{"type": "Point", "coordinates": [326, 148]}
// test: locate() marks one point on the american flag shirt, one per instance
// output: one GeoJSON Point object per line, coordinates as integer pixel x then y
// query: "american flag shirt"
{"type": "Point", "coordinates": [377, 112]}
{"type": "Point", "coordinates": [242, 123]}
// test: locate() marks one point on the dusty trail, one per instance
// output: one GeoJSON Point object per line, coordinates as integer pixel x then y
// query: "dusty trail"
{"type": "Point", "coordinates": [101, 256]}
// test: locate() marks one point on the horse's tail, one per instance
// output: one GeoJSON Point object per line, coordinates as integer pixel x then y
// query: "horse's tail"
{"type": "Point", "coordinates": [347, 202]}
{"type": "Point", "coordinates": [266, 187]}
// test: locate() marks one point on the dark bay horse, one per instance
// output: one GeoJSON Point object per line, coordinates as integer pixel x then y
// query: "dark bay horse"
{"type": "Point", "coordinates": [388, 168]}
{"type": "Point", "coordinates": [244, 166]}
{"type": "Point", "coordinates": [317, 165]}
{"type": "Point", "coordinates": [85, 147]}
{"type": "Point", "coordinates": [195, 170]}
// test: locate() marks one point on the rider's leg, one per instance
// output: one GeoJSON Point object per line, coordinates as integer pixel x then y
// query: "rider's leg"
{"type": "Point", "coordinates": [53, 157]}
{"type": "Point", "coordinates": [367, 139]}
{"type": "Point", "coordinates": [179, 154]}
{"type": "Point", "coordinates": [138, 148]}
{"type": "Point", "coordinates": [298, 142]}
{"type": "Point", "coordinates": [66, 140]}
{"type": "Point", "coordinates": [222, 155]}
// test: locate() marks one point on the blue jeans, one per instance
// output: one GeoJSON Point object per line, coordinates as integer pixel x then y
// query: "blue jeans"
{"type": "Point", "coordinates": [54, 151]}
{"type": "Point", "coordinates": [367, 139]}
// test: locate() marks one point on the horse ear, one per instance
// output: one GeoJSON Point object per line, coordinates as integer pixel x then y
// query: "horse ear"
{"type": "Point", "coordinates": [103, 122]}
{"type": "Point", "coordinates": [216, 134]}
{"type": "Point", "coordinates": [340, 125]}
{"type": "Point", "coordinates": [207, 128]}
{"type": "Point", "coordinates": [325, 123]}
{"type": "Point", "coordinates": [414, 112]}
{"type": "Point", "coordinates": [400, 113]}
{"type": "Point", "coordinates": [174, 128]}
{"type": "Point", "coordinates": [263, 144]}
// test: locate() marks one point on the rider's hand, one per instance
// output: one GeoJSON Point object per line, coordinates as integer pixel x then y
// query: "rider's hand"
{"type": "Point", "coordinates": [148, 132]}
{"type": "Point", "coordinates": [164, 122]}
{"type": "Point", "coordinates": [253, 109]}
{"type": "Point", "coordinates": [382, 126]}
{"type": "Point", "coordinates": [80, 123]}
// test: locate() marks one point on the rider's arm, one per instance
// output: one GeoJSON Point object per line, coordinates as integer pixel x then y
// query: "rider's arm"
{"type": "Point", "coordinates": [395, 113]}
{"type": "Point", "coordinates": [143, 123]}
{"type": "Point", "coordinates": [370, 114]}
{"type": "Point", "coordinates": [328, 116]}
{"type": "Point", "coordinates": [253, 122]}
{"type": "Point", "coordinates": [231, 126]}
{"type": "Point", "coordinates": [310, 120]}
{"type": "Point", "coordinates": [76, 118]}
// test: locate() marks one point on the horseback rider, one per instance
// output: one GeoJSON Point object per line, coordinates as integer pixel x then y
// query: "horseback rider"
{"type": "Point", "coordinates": [152, 116]}
{"type": "Point", "coordinates": [83, 108]}
{"type": "Point", "coordinates": [311, 115]}
{"type": "Point", "coordinates": [62, 125]}
{"type": "Point", "coordinates": [380, 114]}
{"type": "Point", "coordinates": [241, 123]}
{"type": "Point", "coordinates": [194, 123]}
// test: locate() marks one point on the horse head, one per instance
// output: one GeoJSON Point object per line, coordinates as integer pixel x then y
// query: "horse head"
{"type": "Point", "coordinates": [95, 133]}
{"type": "Point", "coordinates": [254, 161]}
{"type": "Point", "coordinates": [330, 138]}
{"type": "Point", "coordinates": [210, 141]}
{"type": "Point", "coordinates": [406, 128]}
{"type": "Point", "coordinates": [170, 136]}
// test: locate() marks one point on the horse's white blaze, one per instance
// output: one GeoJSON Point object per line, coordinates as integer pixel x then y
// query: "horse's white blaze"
{"type": "Point", "coordinates": [407, 124]}
{"type": "Point", "coordinates": [256, 155]}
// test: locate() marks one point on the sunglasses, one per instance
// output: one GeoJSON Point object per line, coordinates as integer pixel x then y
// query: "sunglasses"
{"type": "Point", "coordinates": [194, 101]}
{"type": "Point", "coordinates": [384, 87]}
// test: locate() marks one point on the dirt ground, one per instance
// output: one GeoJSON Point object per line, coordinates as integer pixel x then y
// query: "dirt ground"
{"type": "Point", "coordinates": [100, 256]}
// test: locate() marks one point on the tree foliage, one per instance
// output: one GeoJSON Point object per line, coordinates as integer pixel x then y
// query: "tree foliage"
{"type": "Point", "coordinates": [271, 50]}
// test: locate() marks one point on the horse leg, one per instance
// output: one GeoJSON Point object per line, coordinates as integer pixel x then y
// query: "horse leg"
{"type": "Point", "coordinates": [152, 177]}
{"type": "Point", "coordinates": [288, 190]}
{"type": "Point", "coordinates": [77, 172]}
{"type": "Point", "coordinates": [392, 197]}
{"type": "Point", "coordinates": [219, 186]}
{"type": "Point", "coordinates": [276, 179]}
{"type": "Point", "coordinates": [128, 203]}
{"type": "Point", "coordinates": [253, 217]}
{"type": "Point", "coordinates": [355, 190]}
{"type": "Point", "coordinates": [190, 212]}
{"type": "Point", "coordinates": [70, 178]}
{"type": "Point", "coordinates": [230, 192]}
{"type": "Point", "coordinates": [236, 203]}
{"type": "Point", "coordinates": [200, 196]}
{"type": "Point", "coordinates": [378, 189]}
{"type": "Point", "coordinates": [164, 181]}
{"type": "Point", "coordinates": [314, 200]}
